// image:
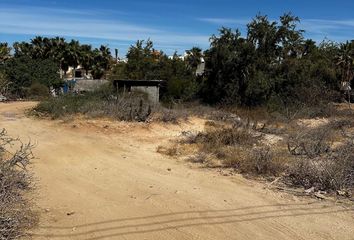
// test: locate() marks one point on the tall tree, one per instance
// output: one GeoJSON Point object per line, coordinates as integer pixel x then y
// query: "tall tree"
{"type": "Point", "coordinates": [140, 60]}
{"type": "Point", "coordinates": [194, 57]}
{"type": "Point", "coordinates": [345, 60]}
{"type": "Point", "coordinates": [24, 71]}
{"type": "Point", "coordinates": [5, 52]}
{"type": "Point", "coordinates": [86, 58]}
{"type": "Point", "coordinates": [101, 61]}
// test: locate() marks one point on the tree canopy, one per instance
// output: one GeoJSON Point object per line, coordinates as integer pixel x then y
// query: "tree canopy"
{"type": "Point", "coordinates": [271, 64]}
{"type": "Point", "coordinates": [274, 63]}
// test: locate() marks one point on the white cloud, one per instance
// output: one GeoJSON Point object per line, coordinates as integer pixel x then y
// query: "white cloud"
{"type": "Point", "coordinates": [225, 21]}
{"type": "Point", "coordinates": [325, 26]}
{"type": "Point", "coordinates": [88, 24]}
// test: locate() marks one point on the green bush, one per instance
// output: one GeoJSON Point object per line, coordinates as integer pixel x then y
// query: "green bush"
{"type": "Point", "coordinates": [38, 90]}
{"type": "Point", "coordinates": [100, 103]}
{"type": "Point", "coordinates": [25, 75]}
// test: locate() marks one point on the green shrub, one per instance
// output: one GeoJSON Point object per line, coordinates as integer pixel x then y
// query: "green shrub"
{"type": "Point", "coordinates": [100, 103]}
{"type": "Point", "coordinates": [38, 90]}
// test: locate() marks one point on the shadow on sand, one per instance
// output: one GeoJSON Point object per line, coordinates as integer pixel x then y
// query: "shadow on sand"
{"type": "Point", "coordinates": [162, 222]}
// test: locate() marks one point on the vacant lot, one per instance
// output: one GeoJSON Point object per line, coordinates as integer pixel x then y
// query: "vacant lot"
{"type": "Point", "coordinates": [103, 180]}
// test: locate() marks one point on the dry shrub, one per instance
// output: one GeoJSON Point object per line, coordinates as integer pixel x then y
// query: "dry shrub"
{"type": "Point", "coordinates": [334, 171]}
{"type": "Point", "coordinates": [258, 114]}
{"type": "Point", "coordinates": [310, 142]}
{"type": "Point", "coordinates": [341, 124]}
{"type": "Point", "coordinates": [15, 182]}
{"type": "Point", "coordinates": [275, 128]}
{"type": "Point", "coordinates": [170, 151]}
{"type": "Point", "coordinates": [225, 136]}
{"type": "Point", "coordinates": [127, 107]}
{"type": "Point", "coordinates": [260, 160]}
{"type": "Point", "coordinates": [219, 115]}
{"type": "Point", "coordinates": [169, 115]}
{"type": "Point", "coordinates": [234, 156]}
{"type": "Point", "coordinates": [213, 124]}
{"type": "Point", "coordinates": [235, 147]}
{"type": "Point", "coordinates": [200, 157]}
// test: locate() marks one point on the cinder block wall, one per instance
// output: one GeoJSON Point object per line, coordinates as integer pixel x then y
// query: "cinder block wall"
{"type": "Point", "coordinates": [151, 91]}
{"type": "Point", "coordinates": [89, 84]}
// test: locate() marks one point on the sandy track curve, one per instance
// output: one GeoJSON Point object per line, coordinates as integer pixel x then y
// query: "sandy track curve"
{"type": "Point", "coordinates": [114, 185]}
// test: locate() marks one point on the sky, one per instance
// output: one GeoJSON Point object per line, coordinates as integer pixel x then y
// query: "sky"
{"type": "Point", "coordinates": [172, 25]}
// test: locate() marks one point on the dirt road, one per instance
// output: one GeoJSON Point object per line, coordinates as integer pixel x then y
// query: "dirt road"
{"type": "Point", "coordinates": [103, 180]}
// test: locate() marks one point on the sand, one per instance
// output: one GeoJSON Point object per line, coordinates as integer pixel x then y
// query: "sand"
{"type": "Point", "coordinates": [98, 179]}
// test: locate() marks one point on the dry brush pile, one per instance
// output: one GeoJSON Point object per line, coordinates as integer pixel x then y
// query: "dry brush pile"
{"type": "Point", "coordinates": [16, 217]}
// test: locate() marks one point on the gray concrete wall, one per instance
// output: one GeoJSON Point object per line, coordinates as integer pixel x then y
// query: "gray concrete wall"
{"type": "Point", "coordinates": [151, 91]}
{"type": "Point", "coordinates": [89, 85]}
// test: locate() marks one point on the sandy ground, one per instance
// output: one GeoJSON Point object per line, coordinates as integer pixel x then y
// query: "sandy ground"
{"type": "Point", "coordinates": [104, 180]}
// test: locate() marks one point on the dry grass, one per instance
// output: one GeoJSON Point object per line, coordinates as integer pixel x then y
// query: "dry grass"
{"type": "Point", "coordinates": [223, 136]}
{"type": "Point", "coordinates": [234, 146]}
{"type": "Point", "coordinates": [319, 155]}
{"type": "Point", "coordinates": [310, 142]}
{"type": "Point", "coordinates": [169, 151]}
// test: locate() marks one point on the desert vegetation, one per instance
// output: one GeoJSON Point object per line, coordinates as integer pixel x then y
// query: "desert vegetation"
{"type": "Point", "coordinates": [312, 153]}
{"type": "Point", "coordinates": [255, 94]}
{"type": "Point", "coordinates": [254, 88]}
{"type": "Point", "coordinates": [16, 182]}
{"type": "Point", "coordinates": [272, 66]}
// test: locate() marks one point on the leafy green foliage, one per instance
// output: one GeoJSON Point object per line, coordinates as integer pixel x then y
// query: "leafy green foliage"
{"type": "Point", "coordinates": [23, 71]}
{"type": "Point", "coordinates": [146, 63]}
{"type": "Point", "coordinates": [66, 54]}
{"type": "Point", "coordinates": [103, 102]}
{"type": "Point", "coordinates": [345, 60]}
{"type": "Point", "coordinates": [273, 65]}
{"type": "Point", "coordinates": [4, 52]}
{"type": "Point", "coordinates": [194, 57]}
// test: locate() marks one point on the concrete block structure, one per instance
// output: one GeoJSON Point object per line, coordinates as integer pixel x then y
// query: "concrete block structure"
{"type": "Point", "coordinates": [88, 85]}
{"type": "Point", "coordinates": [150, 87]}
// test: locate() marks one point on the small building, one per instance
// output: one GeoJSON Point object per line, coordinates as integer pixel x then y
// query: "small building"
{"type": "Point", "coordinates": [200, 68]}
{"type": "Point", "coordinates": [77, 73]}
{"type": "Point", "coordinates": [150, 87]}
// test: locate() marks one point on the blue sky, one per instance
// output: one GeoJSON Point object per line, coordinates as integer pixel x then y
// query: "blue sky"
{"type": "Point", "coordinates": [172, 25]}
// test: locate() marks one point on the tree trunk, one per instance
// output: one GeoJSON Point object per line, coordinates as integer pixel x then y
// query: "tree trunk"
{"type": "Point", "coordinates": [349, 99]}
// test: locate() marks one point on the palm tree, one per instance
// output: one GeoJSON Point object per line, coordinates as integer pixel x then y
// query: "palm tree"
{"type": "Point", "coordinates": [105, 57]}
{"type": "Point", "coordinates": [58, 47]}
{"type": "Point", "coordinates": [194, 57]}
{"type": "Point", "coordinates": [5, 52]}
{"type": "Point", "coordinates": [38, 47]}
{"type": "Point", "coordinates": [101, 62]}
{"type": "Point", "coordinates": [345, 60]}
{"type": "Point", "coordinates": [22, 49]}
{"type": "Point", "coordinates": [72, 55]}
{"type": "Point", "coordinates": [86, 57]}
